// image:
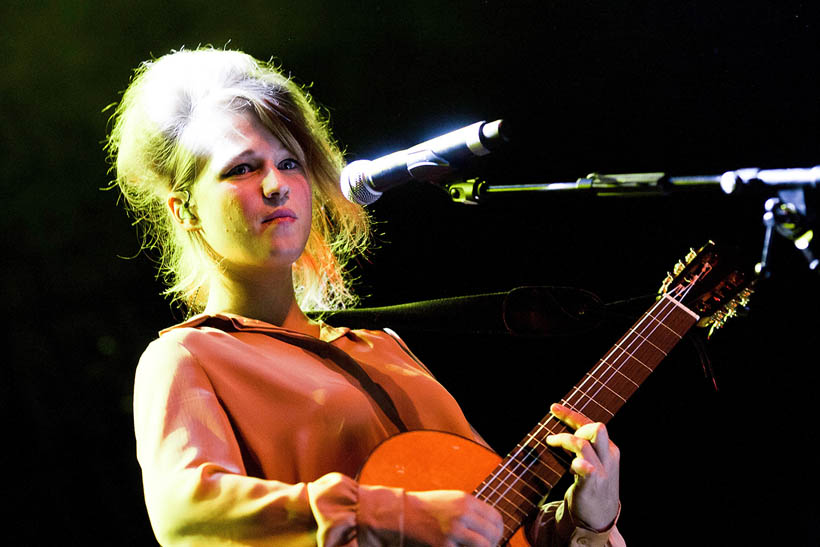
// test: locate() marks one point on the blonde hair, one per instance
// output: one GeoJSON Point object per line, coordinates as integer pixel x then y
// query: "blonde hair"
{"type": "Point", "coordinates": [146, 151]}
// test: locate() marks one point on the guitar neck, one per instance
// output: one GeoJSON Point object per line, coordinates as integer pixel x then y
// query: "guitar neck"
{"type": "Point", "coordinates": [532, 469]}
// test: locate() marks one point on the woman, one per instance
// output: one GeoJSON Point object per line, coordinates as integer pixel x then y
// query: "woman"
{"type": "Point", "coordinates": [251, 419]}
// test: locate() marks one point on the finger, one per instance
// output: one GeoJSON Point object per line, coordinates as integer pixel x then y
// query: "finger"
{"type": "Point", "coordinates": [573, 444]}
{"type": "Point", "coordinates": [582, 467]}
{"type": "Point", "coordinates": [486, 521]}
{"type": "Point", "coordinates": [468, 536]}
{"type": "Point", "coordinates": [570, 417]}
{"type": "Point", "coordinates": [598, 436]}
{"type": "Point", "coordinates": [594, 432]}
{"type": "Point", "coordinates": [474, 539]}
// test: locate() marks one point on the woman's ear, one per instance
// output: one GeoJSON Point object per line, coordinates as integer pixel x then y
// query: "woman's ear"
{"type": "Point", "coordinates": [179, 203]}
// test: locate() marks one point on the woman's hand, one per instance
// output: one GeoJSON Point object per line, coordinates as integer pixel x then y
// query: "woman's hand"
{"type": "Point", "coordinates": [450, 518]}
{"type": "Point", "coordinates": [593, 499]}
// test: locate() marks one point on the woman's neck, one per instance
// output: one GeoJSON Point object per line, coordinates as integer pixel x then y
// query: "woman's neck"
{"type": "Point", "coordinates": [270, 299]}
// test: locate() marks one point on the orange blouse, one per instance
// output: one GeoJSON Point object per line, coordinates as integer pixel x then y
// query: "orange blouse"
{"type": "Point", "coordinates": [244, 439]}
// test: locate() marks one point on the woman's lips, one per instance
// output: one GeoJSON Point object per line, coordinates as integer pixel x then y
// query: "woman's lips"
{"type": "Point", "coordinates": [280, 215]}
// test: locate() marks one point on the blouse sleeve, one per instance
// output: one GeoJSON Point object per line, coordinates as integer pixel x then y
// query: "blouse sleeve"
{"type": "Point", "coordinates": [555, 527]}
{"type": "Point", "coordinates": [196, 488]}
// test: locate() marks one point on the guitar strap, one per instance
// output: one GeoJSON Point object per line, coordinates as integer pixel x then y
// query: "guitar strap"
{"type": "Point", "coordinates": [324, 350]}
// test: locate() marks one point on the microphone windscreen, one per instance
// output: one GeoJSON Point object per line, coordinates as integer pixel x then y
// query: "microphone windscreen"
{"type": "Point", "coordinates": [354, 184]}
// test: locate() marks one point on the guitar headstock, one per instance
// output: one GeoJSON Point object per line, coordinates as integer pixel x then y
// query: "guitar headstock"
{"type": "Point", "coordinates": [710, 283]}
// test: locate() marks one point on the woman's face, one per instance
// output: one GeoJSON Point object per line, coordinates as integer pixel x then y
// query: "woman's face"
{"type": "Point", "coordinates": [253, 201]}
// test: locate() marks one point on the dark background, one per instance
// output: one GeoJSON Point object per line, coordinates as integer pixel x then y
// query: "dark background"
{"type": "Point", "coordinates": [688, 87]}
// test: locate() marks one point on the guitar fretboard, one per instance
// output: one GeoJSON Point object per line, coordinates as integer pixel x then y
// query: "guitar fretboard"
{"type": "Point", "coordinates": [529, 471]}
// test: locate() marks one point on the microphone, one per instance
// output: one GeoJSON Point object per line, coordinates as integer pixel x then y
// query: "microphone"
{"type": "Point", "coordinates": [364, 181]}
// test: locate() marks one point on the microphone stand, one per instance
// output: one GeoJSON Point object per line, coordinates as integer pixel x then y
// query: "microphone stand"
{"type": "Point", "coordinates": [790, 213]}
{"type": "Point", "coordinates": [476, 191]}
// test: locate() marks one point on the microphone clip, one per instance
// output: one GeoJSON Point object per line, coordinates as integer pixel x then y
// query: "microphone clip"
{"type": "Point", "coordinates": [426, 165]}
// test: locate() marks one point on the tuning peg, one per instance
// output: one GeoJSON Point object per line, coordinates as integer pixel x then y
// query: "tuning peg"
{"type": "Point", "coordinates": [737, 307]}
{"type": "Point", "coordinates": [691, 255]}
{"type": "Point", "coordinates": [667, 281]}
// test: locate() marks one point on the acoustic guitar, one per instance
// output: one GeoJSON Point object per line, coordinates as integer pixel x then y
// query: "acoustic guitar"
{"type": "Point", "coordinates": [705, 290]}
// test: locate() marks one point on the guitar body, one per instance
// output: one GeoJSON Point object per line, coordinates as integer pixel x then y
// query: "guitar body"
{"type": "Point", "coordinates": [432, 460]}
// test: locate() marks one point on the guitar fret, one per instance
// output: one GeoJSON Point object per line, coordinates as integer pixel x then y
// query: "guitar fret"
{"type": "Point", "coordinates": [664, 325]}
{"type": "Point", "coordinates": [502, 510]}
{"type": "Point", "coordinates": [524, 500]}
{"type": "Point", "coordinates": [514, 506]}
{"type": "Point", "coordinates": [540, 444]}
{"type": "Point", "coordinates": [619, 372]}
{"type": "Point", "coordinates": [515, 513]}
{"type": "Point", "coordinates": [626, 351]}
{"type": "Point", "coordinates": [613, 379]}
{"type": "Point", "coordinates": [516, 478]}
{"type": "Point", "coordinates": [605, 386]}
{"type": "Point", "coordinates": [524, 506]}
{"type": "Point", "coordinates": [631, 366]}
{"type": "Point", "coordinates": [648, 341]}
{"type": "Point", "coordinates": [535, 494]}
{"type": "Point", "coordinates": [594, 401]}
{"type": "Point", "coordinates": [528, 468]}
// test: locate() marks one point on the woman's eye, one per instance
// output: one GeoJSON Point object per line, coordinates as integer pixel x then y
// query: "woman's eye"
{"type": "Point", "coordinates": [289, 163]}
{"type": "Point", "coordinates": [241, 169]}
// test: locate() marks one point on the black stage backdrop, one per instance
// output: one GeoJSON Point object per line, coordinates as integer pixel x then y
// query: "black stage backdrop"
{"type": "Point", "coordinates": [689, 88]}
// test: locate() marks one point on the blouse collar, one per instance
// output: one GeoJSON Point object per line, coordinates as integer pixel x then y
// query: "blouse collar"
{"type": "Point", "coordinates": [327, 333]}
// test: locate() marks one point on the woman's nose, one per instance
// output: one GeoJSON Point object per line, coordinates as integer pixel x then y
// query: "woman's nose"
{"type": "Point", "coordinates": [275, 187]}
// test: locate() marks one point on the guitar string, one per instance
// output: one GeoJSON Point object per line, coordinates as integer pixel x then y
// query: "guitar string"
{"type": "Point", "coordinates": [579, 389]}
{"type": "Point", "coordinates": [505, 497]}
{"type": "Point", "coordinates": [677, 294]}
{"type": "Point", "coordinates": [639, 337]}
{"type": "Point", "coordinates": [515, 457]}
{"type": "Point", "coordinates": [603, 363]}
{"type": "Point", "coordinates": [615, 367]}
{"type": "Point", "coordinates": [515, 473]}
